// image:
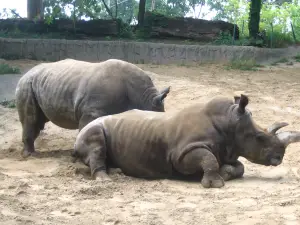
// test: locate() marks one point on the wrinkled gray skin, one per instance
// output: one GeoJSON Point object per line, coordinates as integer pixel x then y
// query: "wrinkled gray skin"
{"type": "Point", "coordinates": [72, 93]}
{"type": "Point", "coordinates": [204, 140]}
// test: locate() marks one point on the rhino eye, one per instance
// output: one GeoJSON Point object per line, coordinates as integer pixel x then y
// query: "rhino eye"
{"type": "Point", "coordinates": [261, 137]}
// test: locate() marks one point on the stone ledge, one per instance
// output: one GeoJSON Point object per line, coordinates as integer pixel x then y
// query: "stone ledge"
{"type": "Point", "coordinates": [134, 52]}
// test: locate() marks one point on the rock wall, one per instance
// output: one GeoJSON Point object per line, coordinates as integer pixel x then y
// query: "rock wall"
{"type": "Point", "coordinates": [92, 28]}
{"type": "Point", "coordinates": [135, 52]}
{"type": "Point", "coordinates": [156, 26]}
{"type": "Point", "coordinates": [160, 26]}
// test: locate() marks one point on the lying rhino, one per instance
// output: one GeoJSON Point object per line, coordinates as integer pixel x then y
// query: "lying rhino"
{"type": "Point", "coordinates": [72, 93]}
{"type": "Point", "coordinates": [198, 140]}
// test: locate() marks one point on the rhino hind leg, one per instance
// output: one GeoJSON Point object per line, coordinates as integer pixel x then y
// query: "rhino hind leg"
{"type": "Point", "coordinates": [33, 121]}
{"type": "Point", "coordinates": [91, 149]}
{"type": "Point", "coordinates": [201, 159]}
{"type": "Point", "coordinates": [233, 171]}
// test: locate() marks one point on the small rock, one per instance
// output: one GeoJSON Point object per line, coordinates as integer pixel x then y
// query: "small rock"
{"type": "Point", "coordinates": [21, 193]}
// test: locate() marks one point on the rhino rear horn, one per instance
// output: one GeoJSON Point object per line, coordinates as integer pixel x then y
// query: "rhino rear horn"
{"type": "Point", "coordinates": [243, 102]}
{"type": "Point", "coordinates": [288, 137]}
{"type": "Point", "coordinates": [276, 126]}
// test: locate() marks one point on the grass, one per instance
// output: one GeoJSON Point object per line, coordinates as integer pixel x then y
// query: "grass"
{"type": "Point", "coordinates": [8, 104]}
{"type": "Point", "coordinates": [243, 65]}
{"type": "Point", "coordinates": [7, 69]}
{"type": "Point", "coordinates": [297, 57]}
{"type": "Point", "coordinates": [282, 60]}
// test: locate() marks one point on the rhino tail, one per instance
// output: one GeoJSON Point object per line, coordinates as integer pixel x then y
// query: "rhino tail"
{"type": "Point", "coordinates": [27, 103]}
{"type": "Point", "coordinates": [74, 154]}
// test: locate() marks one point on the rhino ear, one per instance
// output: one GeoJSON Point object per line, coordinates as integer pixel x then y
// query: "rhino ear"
{"type": "Point", "coordinates": [237, 99]}
{"type": "Point", "coordinates": [159, 98]}
{"type": "Point", "coordinates": [166, 91]}
{"type": "Point", "coordinates": [243, 102]}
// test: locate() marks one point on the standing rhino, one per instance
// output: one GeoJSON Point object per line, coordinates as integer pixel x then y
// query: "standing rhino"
{"type": "Point", "coordinates": [72, 93]}
{"type": "Point", "coordinates": [202, 140]}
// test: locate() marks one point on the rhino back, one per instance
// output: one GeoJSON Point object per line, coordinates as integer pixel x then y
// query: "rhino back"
{"type": "Point", "coordinates": [136, 143]}
{"type": "Point", "coordinates": [119, 86]}
{"type": "Point", "coordinates": [66, 89]}
{"type": "Point", "coordinates": [58, 87]}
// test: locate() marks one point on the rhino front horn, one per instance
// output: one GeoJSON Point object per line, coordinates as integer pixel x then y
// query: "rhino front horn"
{"type": "Point", "coordinates": [276, 126]}
{"type": "Point", "coordinates": [288, 137]}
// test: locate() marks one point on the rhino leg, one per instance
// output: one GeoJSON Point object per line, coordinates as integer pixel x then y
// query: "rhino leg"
{"type": "Point", "coordinates": [91, 149]}
{"type": "Point", "coordinates": [87, 118]}
{"type": "Point", "coordinates": [33, 121]}
{"type": "Point", "coordinates": [202, 160]}
{"type": "Point", "coordinates": [233, 171]}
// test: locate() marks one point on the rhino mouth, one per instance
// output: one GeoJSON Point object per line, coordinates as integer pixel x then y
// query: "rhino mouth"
{"type": "Point", "coordinates": [275, 161]}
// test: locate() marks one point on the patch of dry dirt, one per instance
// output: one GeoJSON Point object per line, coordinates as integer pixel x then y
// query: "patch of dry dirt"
{"type": "Point", "coordinates": [49, 190]}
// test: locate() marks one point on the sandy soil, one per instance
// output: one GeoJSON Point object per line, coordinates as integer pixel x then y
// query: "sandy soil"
{"type": "Point", "coordinates": [53, 190]}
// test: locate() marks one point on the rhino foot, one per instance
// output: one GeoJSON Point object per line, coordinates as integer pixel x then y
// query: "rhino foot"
{"type": "Point", "coordinates": [229, 172]}
{"type": "Point", "coordinates": [212, 180]}
{"type": "Point", "coordinates": [26, 154]}
{"type": "Point", "coordinates": [102, 176]}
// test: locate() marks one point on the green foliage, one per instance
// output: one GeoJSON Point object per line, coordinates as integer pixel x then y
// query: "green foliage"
{"type": "Point", "coordinates": [279, 40]}
{"type": "Point", "coordinates": [125, 30]}
{"type": "Point", "coordinates": [297, 57]}
{"type": "Point", "coordinates": [278, 13]}
{"type": "Point", "coordinates": [8, 104]}
{"type": "Point", "coordinates": [171, 8]}
{"type": "Point", "coordinates": [226, 39]}
{"type": "Point", "coordinates": [7, 69]}
{"type": "Point", "coordinates": [275, 12]}
{"type": "Point", "coordinates": [238, 64]}
{"type": "Point", "coordinates": [282, 60]}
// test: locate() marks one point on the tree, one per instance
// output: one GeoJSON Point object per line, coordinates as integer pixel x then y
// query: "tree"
{"type": "Point", "coordinates": [254, 18]}
{"type": "Point", "coordinates": [141, 15]}
{"type": "Point", "coordinates": [35, 9]}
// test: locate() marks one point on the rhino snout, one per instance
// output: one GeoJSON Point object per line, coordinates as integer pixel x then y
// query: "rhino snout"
{"type": "Point", "coordinates": [276, 160]}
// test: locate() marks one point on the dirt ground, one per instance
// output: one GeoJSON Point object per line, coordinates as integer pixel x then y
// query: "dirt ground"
{"type": "Point", "coordinates": [50, 190]}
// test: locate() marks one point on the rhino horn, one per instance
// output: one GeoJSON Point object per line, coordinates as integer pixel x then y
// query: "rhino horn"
{"type": "Point", "coordinates": [288, 137]}
{"type": "Point", "coordinates": [276, 126]}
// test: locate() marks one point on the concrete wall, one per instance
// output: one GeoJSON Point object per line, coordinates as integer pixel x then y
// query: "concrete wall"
{"type": "Point", "coordinates": [135, 52]}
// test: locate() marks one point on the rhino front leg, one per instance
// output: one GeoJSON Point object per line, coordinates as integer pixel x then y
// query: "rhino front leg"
{"type": "Point", "coordinates": [199, 160]}
{"type": "Point", "coordinates": [233, 171]}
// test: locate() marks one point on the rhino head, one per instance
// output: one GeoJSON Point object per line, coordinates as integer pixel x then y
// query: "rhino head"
{"type": "Point", "coordinates": [258, 145]}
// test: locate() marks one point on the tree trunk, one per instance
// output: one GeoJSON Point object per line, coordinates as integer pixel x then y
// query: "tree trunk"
{"type": "Point", "coordinates": [35, 9]}
{"type": "Point", "coordinates": [141, 15]}
{"type": "Point", "coordinates": [254, 19]}
{"type": "Point", "coordinates": [152, 5]}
